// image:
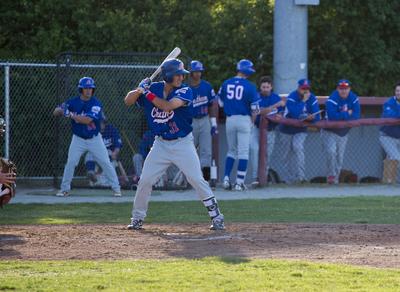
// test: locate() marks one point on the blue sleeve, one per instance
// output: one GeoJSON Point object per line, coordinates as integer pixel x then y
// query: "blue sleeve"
{"type": "Point", "coordinates": [333, 113]}
{"type": "Point", "coordinates": [95, 112]}
{"type": "Point", "coordinates": [255, 97]}
{"type": "Point", "coordinates": [211, 96]}
{"type": "Point", "coordinates": [294, 109]}
{"type": "Point", "coordinates": [315, 108]}
{"type": "Point", "coordinates": [390, 110]}
{"type": "Point", "coordinates": [185, 94]}
{"type": "Point", "coordinates": [276, 98]}
{"type": "Point", "coordinates": [356, 109]}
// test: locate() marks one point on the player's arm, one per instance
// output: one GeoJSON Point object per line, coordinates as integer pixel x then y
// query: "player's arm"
{"type": "Point", "coordinates": [333, 112]}
{"type": "Point", "coordinates": [132, 96]}
{"type": "Point", "coordinates": [389, 110]}
{"type": "Point", "coordinates": [271, 108]}
{"type": "Point", "coordinates": [356, 110]}
{"type": "Point", "coordinates": [314, 109]}
{"type": "Point", "coordinates": [81, 119]}
{"type": "Point", "coordinates": [167, 105]}
{"type": "Point", "coordinates": [61, 110]}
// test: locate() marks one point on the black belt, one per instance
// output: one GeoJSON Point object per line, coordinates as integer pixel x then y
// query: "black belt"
{"type": "Point", "coordinates": [86, 138]}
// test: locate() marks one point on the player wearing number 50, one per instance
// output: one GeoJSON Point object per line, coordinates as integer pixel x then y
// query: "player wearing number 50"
{"type": "Point", "coordinates": [168, 109]}
{"type": "Point", "coordinates": [85, 112]}
{"type": "Point", "coordinates": [239, 98]}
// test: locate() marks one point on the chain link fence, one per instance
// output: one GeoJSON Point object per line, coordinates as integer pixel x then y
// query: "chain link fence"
{"type": "Point", "coordinates": [36, 140]}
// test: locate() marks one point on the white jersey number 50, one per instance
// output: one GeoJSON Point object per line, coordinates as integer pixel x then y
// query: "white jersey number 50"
{"type": "Point", "coordinates": [234, 91]}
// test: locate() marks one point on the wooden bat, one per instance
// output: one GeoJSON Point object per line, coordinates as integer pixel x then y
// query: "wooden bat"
{"type": "Point", "coordinates": [174, 53]}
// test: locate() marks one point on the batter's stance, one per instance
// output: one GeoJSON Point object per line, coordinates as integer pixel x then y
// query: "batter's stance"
{"type": "Point", "coordinates": [85, 112]}
{"type": "Point", "coordinates": [168, 109]}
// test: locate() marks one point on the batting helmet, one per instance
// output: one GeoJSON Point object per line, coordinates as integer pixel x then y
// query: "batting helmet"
{"type": "Point", "coordinates": [245, 66]}
{"type": "Point", "coordinates": [172, 67]}
{"type": "Point", "coordinates": [86, 82]}
{"type": "Point", "coordinates": [196, 66]}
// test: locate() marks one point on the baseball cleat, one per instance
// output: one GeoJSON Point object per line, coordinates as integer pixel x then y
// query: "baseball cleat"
{"type": "Point", "coordinates": [218, 223]}
{"type": "Point", "coordinates": [136, 224]}
{"type": "Point", "coordinates": [226, 185]}
{"type": "Point", "coordinates": [92, 176]}
{"type": "Point", "coordinates": [62, 194]}
{"type": "Point", "coordinates": [255, 184]}
{"type": "Point", "coordinates": [239, 187]}
{"type": "Point", "coordinates": [117, 194]}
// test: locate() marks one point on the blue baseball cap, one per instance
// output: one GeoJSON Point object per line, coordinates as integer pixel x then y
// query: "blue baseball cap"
{"type": "Point", "coordinates": [304, 84]}
{"type": "Point", "coordinates": [343, 83]}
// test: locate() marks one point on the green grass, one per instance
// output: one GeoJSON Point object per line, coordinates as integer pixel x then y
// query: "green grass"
{"type": "Point", "coordinates": [372, 210]}
{"type": "Point", "coordinates": [208, 274]}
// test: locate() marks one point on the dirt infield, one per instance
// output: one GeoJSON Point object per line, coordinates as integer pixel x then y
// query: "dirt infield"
{"type": "Point", "coordinates": [369, 245]}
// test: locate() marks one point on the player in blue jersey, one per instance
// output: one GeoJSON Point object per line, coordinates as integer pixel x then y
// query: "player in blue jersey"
{"type": "Point", "coordinates": [112, 141]}
{"type": "Point", "coordinates": [390, 137]}
{"type": "Point", "coordinates": [168, 108]}
{"type": "Point", "coordinates": [270, 103]}
{"type": "Point", "coordinates": [239, 98]}
{"type": "Point", "coordinates": [85, 112]}
{"type": "Point", "coordinates": [301, 104]}
{"type": "Point", "coordinates": [204, 120]}
{"type": "Point", "coordinates": [342, 105]}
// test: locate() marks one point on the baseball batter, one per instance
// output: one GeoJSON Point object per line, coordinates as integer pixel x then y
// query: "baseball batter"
{"type": "Point", "coordinates": [203, 126]}
{"type": "Point", "coordinates": [85, 112]}
{"type": "Point", "coordinates": [239, 98]}
{"type": "Point", "coordinates": [168, 109]}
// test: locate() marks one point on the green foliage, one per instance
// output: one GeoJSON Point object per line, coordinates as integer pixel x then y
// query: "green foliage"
{"type": "Point", "coordinates": [353, 39]}
{"type": "Point", "coordinates": [207, 274]}
{"type": "Point", "coordinates": [371, 210]}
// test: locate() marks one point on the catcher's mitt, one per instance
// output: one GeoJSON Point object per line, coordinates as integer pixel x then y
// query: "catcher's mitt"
{"type": "Point", "coordinates": [7, 166]}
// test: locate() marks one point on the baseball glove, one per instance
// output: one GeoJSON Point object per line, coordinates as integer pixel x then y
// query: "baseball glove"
{"type": "Point", "coordinates": [7, 189]}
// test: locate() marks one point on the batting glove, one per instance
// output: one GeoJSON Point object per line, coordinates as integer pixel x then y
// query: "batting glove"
{"type": "Point", "coordinates": [214, 128]}
{"type": "Point", "coordinates": [145, 84]}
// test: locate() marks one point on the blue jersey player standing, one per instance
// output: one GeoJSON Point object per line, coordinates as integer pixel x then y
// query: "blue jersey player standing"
{"type": "Point", "coordinates": [239, 98]}
{"type": "Point", "coordinates": [342, 105]}
{"type": "Point", "coordinates": [204, 122]}
{"type": "Point", "coordinates": [301, 104]}
{"type": "Point", "coordinates": [168, 109]}
{"type": "Point", "coordinates": [85, 112]}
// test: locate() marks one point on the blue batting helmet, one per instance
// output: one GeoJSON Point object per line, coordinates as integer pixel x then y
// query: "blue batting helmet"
{"type": "Point", "coordinates": [86, 82]}
{"type": "Point", "coordinates": [196, 66]}
{"type": "Point", "coordinates": [172, 67]}
{"type": "Point", "coordinates": [245, 66]}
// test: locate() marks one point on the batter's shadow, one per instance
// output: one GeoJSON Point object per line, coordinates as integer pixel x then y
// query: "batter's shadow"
{"type": "Point", "coordinates": [223, 245]}
{"type": "Point", "coordinates": [7, 242]}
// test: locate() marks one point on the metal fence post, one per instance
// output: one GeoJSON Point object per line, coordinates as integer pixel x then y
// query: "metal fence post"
{"type": "Point", "coordinates": [7, 110]}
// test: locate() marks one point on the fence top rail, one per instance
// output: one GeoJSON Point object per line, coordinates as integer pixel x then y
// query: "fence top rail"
{"type": "Point", "coordinates": [113, 66]}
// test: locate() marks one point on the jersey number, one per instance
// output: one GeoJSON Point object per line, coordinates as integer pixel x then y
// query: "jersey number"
{"type": "Point", "coordinates": [234, 91]}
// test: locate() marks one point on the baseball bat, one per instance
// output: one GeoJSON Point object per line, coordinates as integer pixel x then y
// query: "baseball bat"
{"type": "Point", "coordinates": [174, 53]}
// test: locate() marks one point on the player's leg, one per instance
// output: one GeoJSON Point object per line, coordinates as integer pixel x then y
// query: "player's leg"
{"type": "Point", "coordinates": [100, 153]}
{"type": "Point", "coordinates": [243, 138]}
{"type": "Point", "coordinates": [205, 146]}
{"type": "Point", "coordinates": [270, 148]}
{"type": "Point", "coordinates": [137, 160]}
{"type": "Point", "coordinates": [254, 152]}
{"type": "Point", "coordinates": [188, 162]}
{"type": "Point", "coordinates": [76, 149]}
{"type": "Point", "coordinates": [231, 138]}
{"type": "Point", "coordinates": [391, 146]}
{"type": "Point", "coordinates": [330, 146]}
{"type": "Point", "coordinates": [155, 165]}
{"type": "Point", "coordinates": [90, 167]}
{"type": "Point", "coordinates": [341, 143]}
{"type": "Point", "coordinates": [299, 156]}
{"type": "Point", "coordinates": [285, 149]}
